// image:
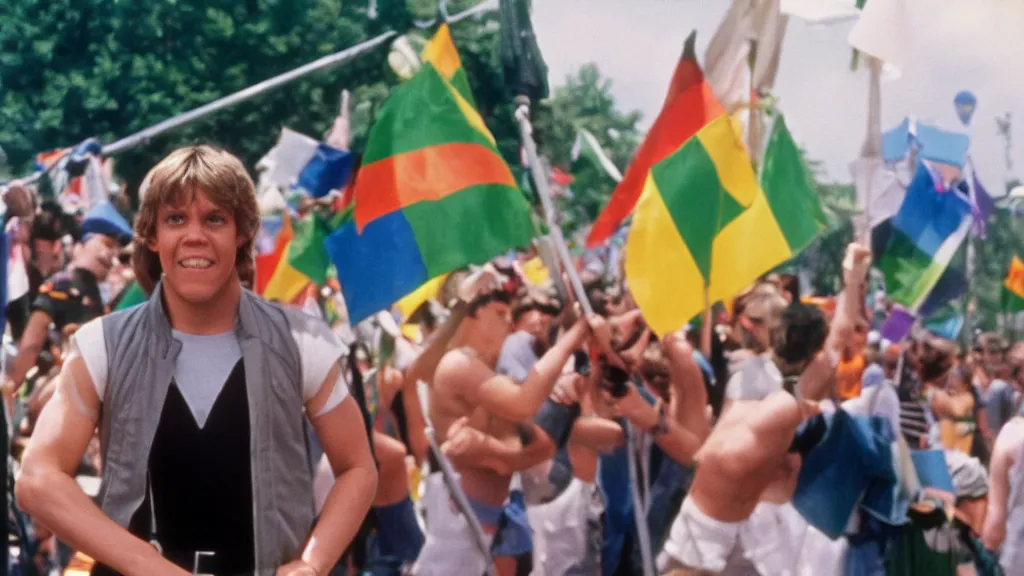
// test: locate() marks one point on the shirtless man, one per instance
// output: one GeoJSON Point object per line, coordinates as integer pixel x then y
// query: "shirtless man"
{"type": "Point", "coordinates": [752, 459]}
{"type": "Point", "coordinates": [466, 386]}
{"type": "Point", "coordinates": [1004, 522]}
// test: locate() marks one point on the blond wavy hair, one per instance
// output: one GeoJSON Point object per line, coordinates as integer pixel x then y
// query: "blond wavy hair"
{"type": "Point", "coordinates": [175, 181]}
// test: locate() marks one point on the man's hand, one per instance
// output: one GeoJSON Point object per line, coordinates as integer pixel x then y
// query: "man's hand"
{"type": "Point", "coordinates": [856, 264]}
{"type": "Point", "coordinates": [569, 389]}
{"type": "Point", "coordinates": [633, 407]}
{"type": "Point", "coordinates": [484, 281]}
{"type": "Point", "coordinates": [297, 568]}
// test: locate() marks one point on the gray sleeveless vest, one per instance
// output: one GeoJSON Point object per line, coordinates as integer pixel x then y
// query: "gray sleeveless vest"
{"type": "Point", "coordinates": [141, 353]}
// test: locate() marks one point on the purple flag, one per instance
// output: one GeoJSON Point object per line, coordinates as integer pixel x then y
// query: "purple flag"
{"type": "Point", "coordinates": [898, 325]}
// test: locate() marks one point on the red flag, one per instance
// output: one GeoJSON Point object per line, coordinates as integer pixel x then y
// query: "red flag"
{"type": "Point", "coordinates": [689, 105]}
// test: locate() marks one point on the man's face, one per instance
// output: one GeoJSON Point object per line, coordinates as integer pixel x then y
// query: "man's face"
{"type": "Point", "coordinates": [47, 256]}
{"type": "Point", "coordinates": [97, 255]}
{"type": "Point", "coordinates": [992, 356]}
{"type": "Point", "coordinates": [536, 324]}
{"type": "Point", "coordinates": [494, 324]}
{"type": "Point", "coordinates": [197, 244]}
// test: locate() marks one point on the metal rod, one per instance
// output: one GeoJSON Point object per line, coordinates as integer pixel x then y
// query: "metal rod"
{"type": "Point", "coordinates": [541, 185]}
{"type": "Point", "coordinates": [872, 147]}
{"type": "Point", "coordinates": [318, 65]}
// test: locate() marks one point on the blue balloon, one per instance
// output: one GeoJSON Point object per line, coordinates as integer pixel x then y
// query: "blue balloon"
{"type": "Point", "coordinates": [965, 103]}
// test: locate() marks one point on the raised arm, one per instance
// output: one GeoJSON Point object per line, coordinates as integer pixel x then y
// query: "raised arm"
{"type": "Point", "coordinates": [501, 395]}
{"type": "Point", "coordinates": [31, 344]}
{"type": "Point", "coordinates": [851, 301]}
{"type": "Point", "coordinates": [689, 395]}
{"type": "Point", "coordinates": [47, 490]}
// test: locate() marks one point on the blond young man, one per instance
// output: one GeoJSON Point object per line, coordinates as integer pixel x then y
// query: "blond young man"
{"type": "Point", "coordinates": [200, 395]}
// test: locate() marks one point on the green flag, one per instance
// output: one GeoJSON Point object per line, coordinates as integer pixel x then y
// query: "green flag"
{"type": "Point", "coordinates": [130, 296]}
{"type": "Point", "coordinates": [789, 188]}
{"type": "Point", "coordinates": [306, 252]}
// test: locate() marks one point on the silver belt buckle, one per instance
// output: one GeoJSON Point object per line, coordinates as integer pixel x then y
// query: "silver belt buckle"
{"type": "Point", "coordinates": [195, 563]}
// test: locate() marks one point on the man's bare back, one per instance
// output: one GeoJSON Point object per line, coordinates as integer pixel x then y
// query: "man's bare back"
{"type": "Point", "coordinates": [745, 460]}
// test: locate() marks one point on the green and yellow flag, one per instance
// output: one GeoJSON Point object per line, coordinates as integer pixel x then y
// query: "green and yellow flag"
{"type": "Point", "coordinates": [440, 51]}
{"type": "Point", "coordinates": [1013, 287]}
{"type": "Point", "coordinates": [702, 222]}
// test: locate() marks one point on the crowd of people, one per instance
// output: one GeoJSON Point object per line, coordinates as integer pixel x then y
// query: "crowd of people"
{"type": "Point", "coordinates": [209, 431]}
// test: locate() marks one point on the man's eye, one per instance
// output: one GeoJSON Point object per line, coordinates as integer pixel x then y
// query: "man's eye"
{"type": "Point", "coordinates": [174, 219]}
{"type": "Point", "coordinates": [216, 219]}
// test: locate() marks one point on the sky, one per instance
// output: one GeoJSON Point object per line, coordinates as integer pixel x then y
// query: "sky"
{"type": "Point", "coordinates": [954, 45]}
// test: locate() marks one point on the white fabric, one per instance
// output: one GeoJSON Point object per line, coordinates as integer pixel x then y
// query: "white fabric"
{"type": "Point", "coordinates": [885, 31]}
{"type": "Point", "coordinates": [290, 156]}
{"type": "Point", "coordinates": [450, 547]}
{"type": "Point", "coordinates": [319, 348]}
{"type": "Point", "coordinates": [771, 539]}
{"type": "Point", "coordinates": [1012, 556]}
{"type": "Point", "coordinates": [821, 11]}
{"type": "Point", "coordinates": [560, 528]}
{"type": "Point", "coordinates": [755, 378]}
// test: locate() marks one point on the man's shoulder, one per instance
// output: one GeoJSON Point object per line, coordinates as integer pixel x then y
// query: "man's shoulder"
{"type": "Point", "coordinates": [60, 286]}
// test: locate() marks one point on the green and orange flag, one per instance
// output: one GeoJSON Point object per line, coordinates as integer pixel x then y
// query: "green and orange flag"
{"type": "Point", "coordinates": [433, 193]}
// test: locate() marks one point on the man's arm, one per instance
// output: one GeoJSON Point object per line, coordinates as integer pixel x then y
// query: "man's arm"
{"type": "Point", "coordinates": [47, 490]}
{"type": "Point", "coordinates": [501, 395]}
{"type": "Point", "coordinates": [469, 447]}
{"type": "Point", "coordinates": [1007, 443]}
{"type": "Point", "coordinates": [343, 436]}
{"type": "Point", "coordinates": [689, 395]}
{"type": "Point", "coordinates": [851, 300]}
{"type": "Point", "coordinates": [423, 369]}
{"type": "Point", "coordinates": [32, 342]}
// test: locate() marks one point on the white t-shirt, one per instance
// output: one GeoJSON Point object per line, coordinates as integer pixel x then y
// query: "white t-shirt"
{"type": "Point", "coordinates": [206, 362]}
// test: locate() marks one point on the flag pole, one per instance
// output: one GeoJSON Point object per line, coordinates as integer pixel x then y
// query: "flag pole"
{"type": "Point", "coordinates": [872, 147]}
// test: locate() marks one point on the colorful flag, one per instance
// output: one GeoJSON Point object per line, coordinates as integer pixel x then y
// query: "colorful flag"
{"type": "Point", "coordinates": [301, 162]}
{"type": "Point", "coordinates": [1013, 287]}
{"type": "Point", "coordinates": [440, 51]}
{"type": "Point", "coordinates": [690, 105]}
{"type": "Point", "coordinates": [271, 246]}
{"type": "Point", "coordinates": [588, 146]}
{"type": "Point", "coordinates": [925, 234]}
{"type": "Point", "coordinates": [702, 223]}
{"type": "Point", "coordinates": [789, 187]}
{"type": "Point", "coordinates": [432, 195]}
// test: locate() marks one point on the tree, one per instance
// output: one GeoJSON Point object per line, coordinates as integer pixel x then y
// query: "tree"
{"type": "Point", "coordinates": [74, 69]}
{"type": "Point", "coordinates": [585, 101]}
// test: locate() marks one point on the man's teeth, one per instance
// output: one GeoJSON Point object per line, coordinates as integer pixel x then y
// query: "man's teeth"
{"type": "Point", "coordinates": [196, 263]}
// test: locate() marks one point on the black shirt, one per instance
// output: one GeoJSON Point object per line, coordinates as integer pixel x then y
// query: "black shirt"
{"type": "Point", "coordinates": [70, 298]}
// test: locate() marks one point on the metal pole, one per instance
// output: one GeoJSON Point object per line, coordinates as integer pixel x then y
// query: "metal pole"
{"type": "Point", "coordinates": [318, 65]}
{"type": "Point", "coordinates": [541, 184]}
{"type": "Point", "coordinates": [558, 238]}
{"type": "Point", "coordinates": [872, 147]}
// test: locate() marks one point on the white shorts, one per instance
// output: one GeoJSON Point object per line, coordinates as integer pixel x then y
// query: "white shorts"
{"type": "Point", "coordinates": [768, 540]}
{"type": "Point", "coordinates": [561, 531]}
{"type": "Point", "coordinates": [450, 547]}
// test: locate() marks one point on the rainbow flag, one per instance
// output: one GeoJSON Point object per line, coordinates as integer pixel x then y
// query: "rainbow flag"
{"type": "Point", "coordinates": [433, 195]}
{"type": "Point", "coordinates": [1013, 287]}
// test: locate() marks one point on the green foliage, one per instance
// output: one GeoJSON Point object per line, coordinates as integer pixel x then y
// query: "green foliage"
{"type": "Point", "coordinates": [585, 101]}
{"type": "Point", "coordinates": [823, 259]}
{"type": "Point", "coordinates": [1005, 238]}
{"type": "Point", "coordinates": [72, 70]}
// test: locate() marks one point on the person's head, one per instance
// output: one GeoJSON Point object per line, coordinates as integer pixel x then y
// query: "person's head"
{"type": "Point", "coordinates": [535, 315]}
{"type": "Point", "coordinates": [799, 337]}
{"type": "Point", "coordinates": [891, 361]}
{"type": "Point", "coordinates": [758, 316]}
{"type": "Point", "coordinates": [97, 253]}
{"type": "Point", "coordinates": [196, 226]}
{"type": "Point", "coordinates": [990, 348]}
{"type": "Point", "coordinates": [489, 321]}
{"type": "Point", "coordinates": [45, 243]}
{"type": "Point", "coordinates": [935, 358]}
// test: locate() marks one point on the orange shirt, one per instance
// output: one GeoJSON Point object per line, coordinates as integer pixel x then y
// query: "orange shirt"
{"type": "Point", "coordinates": [848, 377]}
